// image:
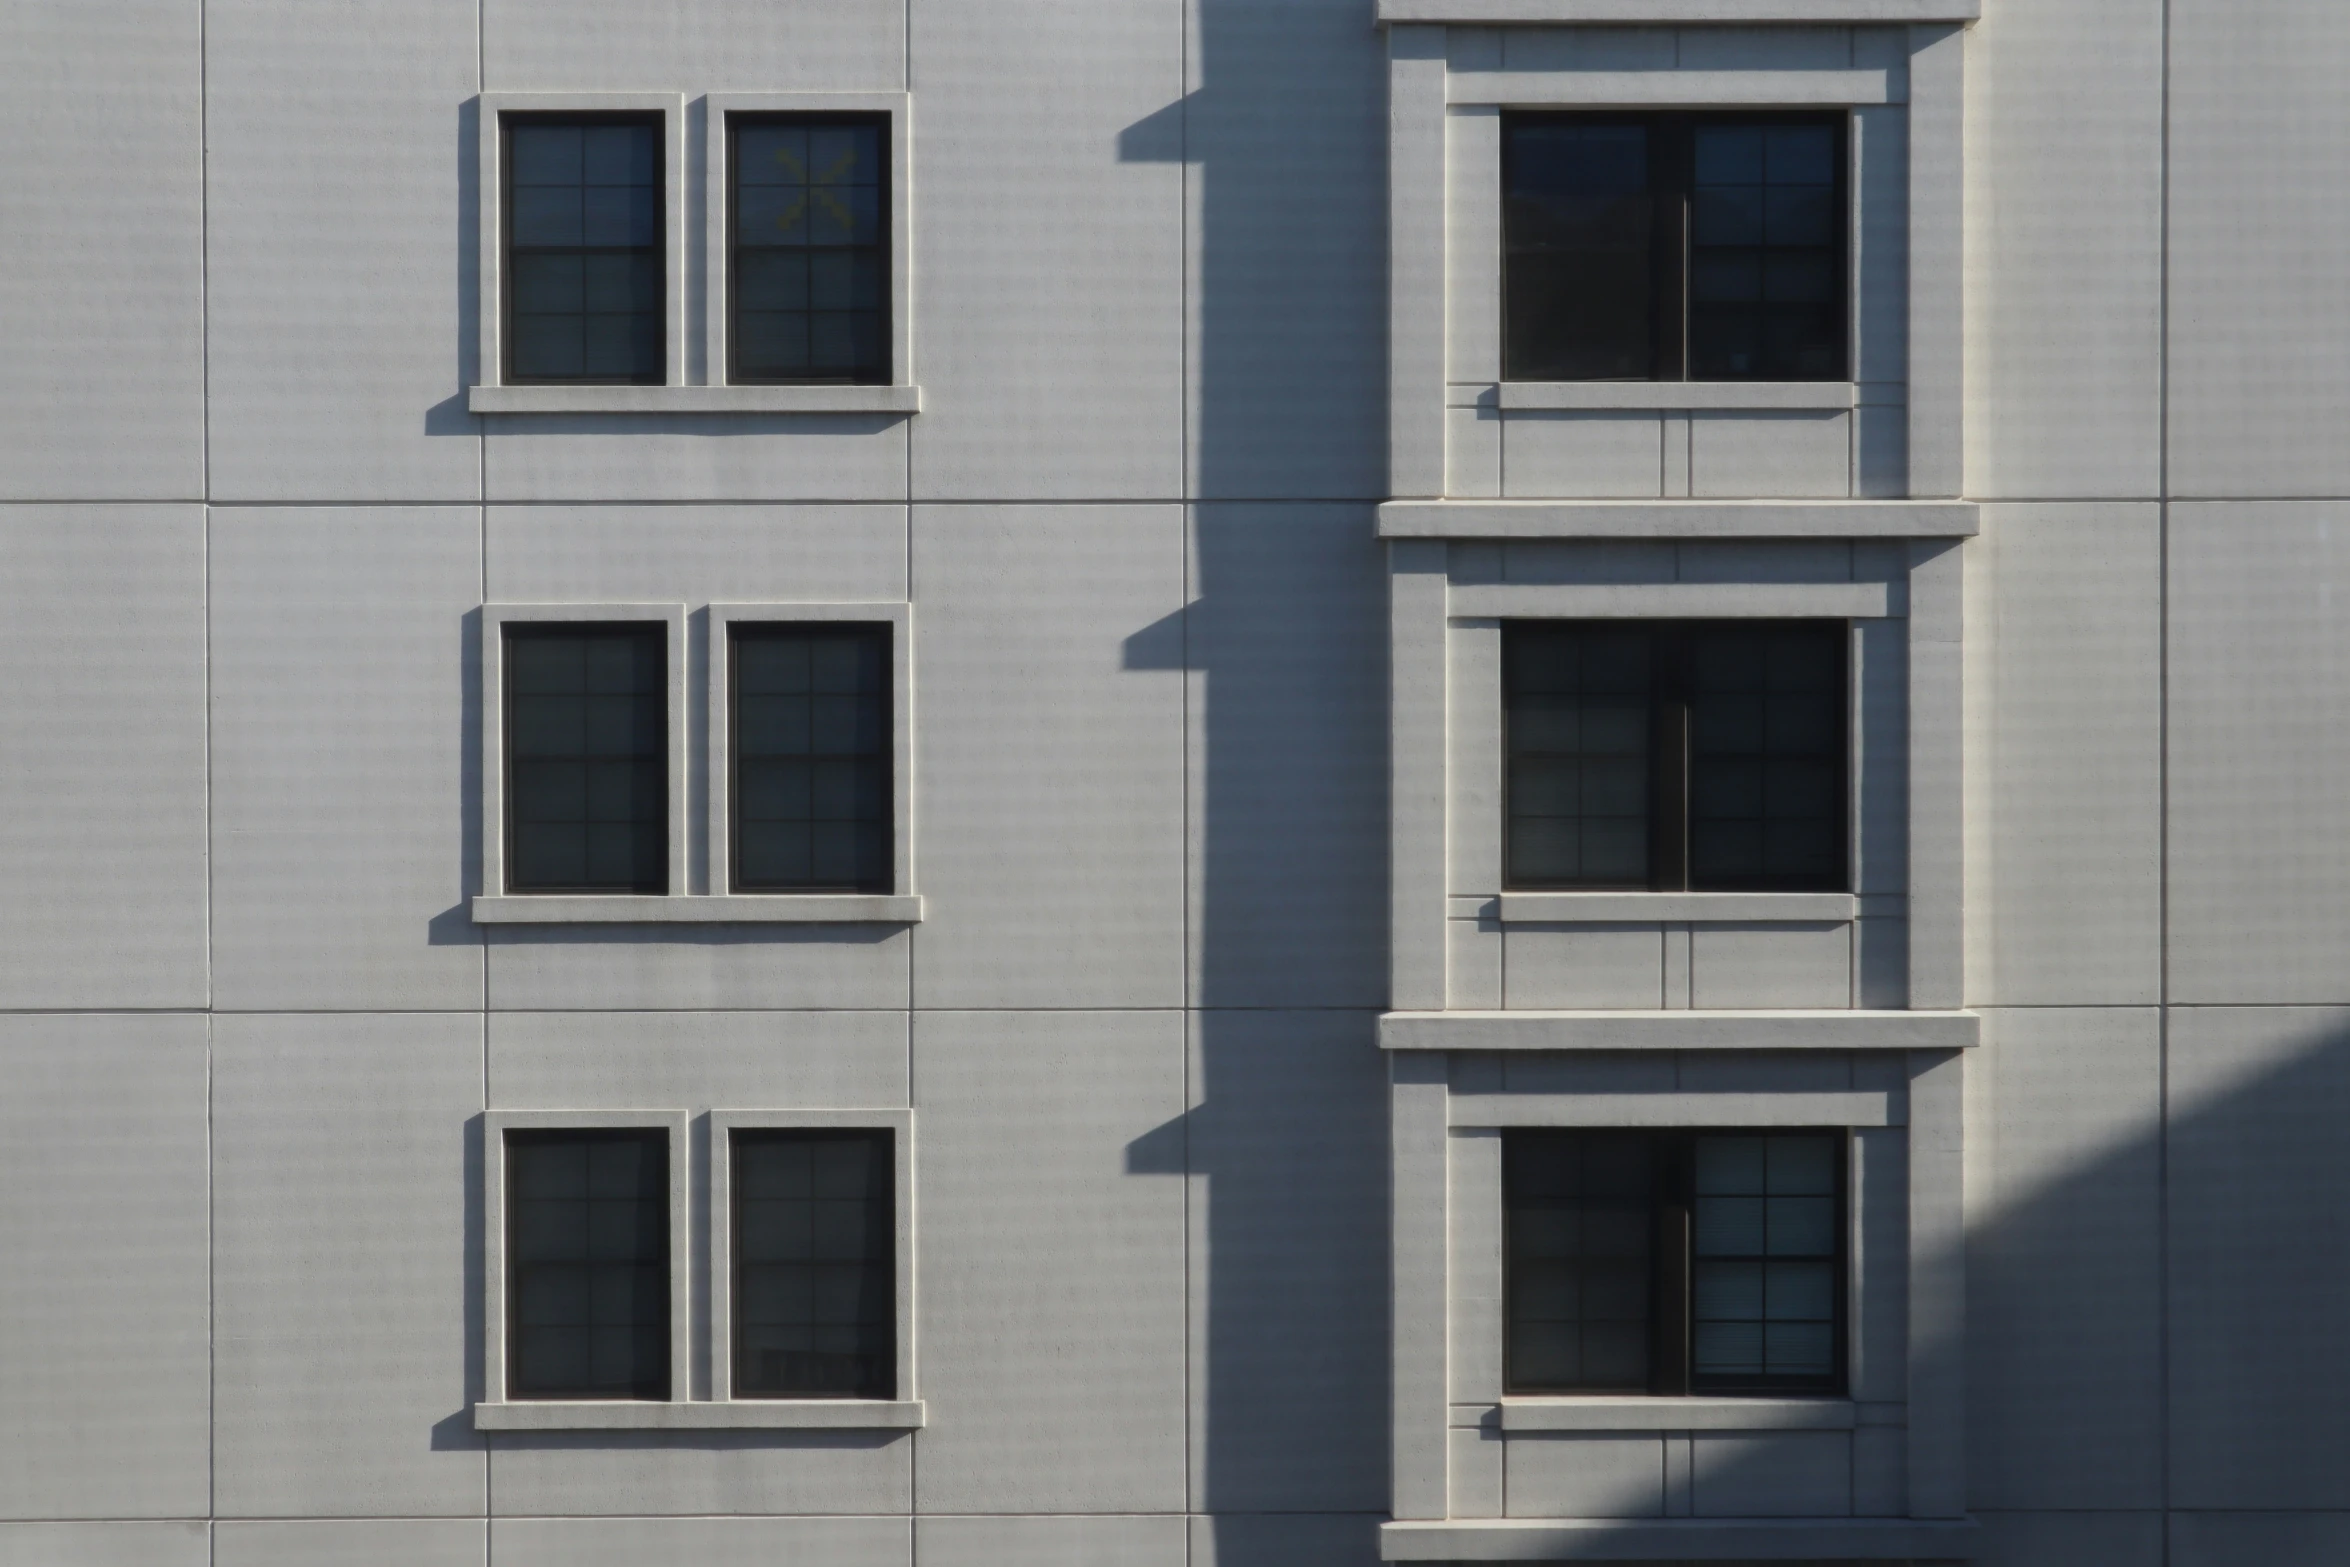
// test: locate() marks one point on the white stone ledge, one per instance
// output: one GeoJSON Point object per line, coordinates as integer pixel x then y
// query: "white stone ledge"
{"type": "Point", "coordinates": [1644, 89]}
{"type": "Point", "coordinates": [740, 909]}
{"type": "Point", "coordinates": [1692, 1030]}
{"type": "Point", "coordinates": [1442, 519]}
{"type": "Point", "coordinates": [1678, 1414]}
{"type": "Point", "coordinates": [694, 399]}
{"type": "Point", "coordinates": [1472, 12]}
{"type": "Point", "coordinates": [1679, 1539]}
{"type": "Point", "coordinates": [1678, 600]}
{"type": "Point", "coordinates": [1642, 395]}
{"type": "Point", "coordinates": [1681, 1108]}
{"type": "Point", "coordinates": [744, 1414]}
{"type": "Point", "coordinates": [1677, 908]}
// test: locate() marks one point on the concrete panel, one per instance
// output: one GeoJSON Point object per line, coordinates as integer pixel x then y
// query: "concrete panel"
{"type": "Point", "coordinates": [2259, 339]}
{"type": "Point", "coordinates": [2064, 248]}
{"type": "Point", "coordinates": [2064, 1268]}
{"type": "Point", "coordinates": [1584, 1476]}
{"type": "Point", "coordinates": [1050, 642]}
{"type": "Point", "coordinates": [2074, 1539]}
{"type": "Point", "coordinates": [2259, 733]}
{"type": "Point", "coordinates": [1049, 248]}
{"type": "Point", "coordinates": [344, 758]}
{"type": "Point", "coordinates": [699, 968]}
{"type": "Point", "coordinates": [2258, 1285]}
{"type": "Point", "coordinates": [102, 792]}
{"type": "Point", "coordinates": [1770, 455]}
{"type": "Point", "coordinates": [1738, 966]}
{"type": "Point", "coordinates": [1287, 1146]}
{"type": "Point", "coordinates": [107, 1378]}
{"type": "Point", "coordinates": [1767, 560]}
{"type": "Point", "coordinates": [368, 1542]}
{"type": "Point", "coordinates": [1473, 1471]}
{"type": "Point", "coordinates": [708, 1542]}
{"type": "Point", "coordinates": [1571, 455]}
{"type": "Point", "coordinates": [340, 216]}
{"type": "Point", "coordinates": [701, 1474]}
{"type": "Point", "coordinates": [1285, 640]}
{"type": "Point", "coordinates": [1782, 1474]}
{"type": "Point", "coordinates": [693, 46]}
{"type": "Point", "coordinates": [1050, 1542]}
{"type": "Point", "coordinates": [1284, 131]}
{"type": "Point", "coordinates": [102, 321]}
{"type": "Point", "coordinates": [346, 1265]}
{"type": "Point", "coordinates": [2066, 752]}
{"type": "Point", "coordinates": [694, 555]}
{"type": "Point", "coordinates": [697, 1061]}
{"type": "Point", "coordinates": [1763, 48]}
{"type": "Point", "coordinates": [1472, 452]}
{"type": "Point", "coordinates": [1595, 560]}
{"type": "Point", "coordinates": [1472, 957]}
{"type": "Point", "coordinates": [1583, 966]}
{"type": "Point", "coordinates": [2310, 1539]}
{"type": "Point", "coordinates": [1298, 1540]}
{"type": "Point", "coordinates": [1880, 267]}
{"type": "Point", "coordinates": [1052, 1301]}
{"type": "Point", "coordinates": [184, 1544]}
{"type": "Point", "coordinates": [723, 457]}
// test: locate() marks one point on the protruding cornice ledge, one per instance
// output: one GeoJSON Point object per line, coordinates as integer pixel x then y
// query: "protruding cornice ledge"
{"type": "Point", "coordinates": [1679, 1539]}
{"type": "Point", "coordinates": [1478, 12]}
{"type": "Point", "coordinates": [1692, 1030]}
{"type": "Point", "coordinates": [1433, 519]}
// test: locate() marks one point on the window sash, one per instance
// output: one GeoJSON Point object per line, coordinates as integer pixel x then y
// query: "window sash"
{"type": "Point", "coordinates": [869, 326]}
{"type": "Point", "coordinates": [646, 761]}
{"type": "Point", "coordinates": [624, 1298]}
{"type": "Point", "coordinates": [843, 1290]}
{"type": "Point", "coordinates": [646, 324]}
{"type": "Point", "coordinates": [847, 781]}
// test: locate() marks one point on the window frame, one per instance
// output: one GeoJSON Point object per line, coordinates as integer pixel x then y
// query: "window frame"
{"type": "Point", "coordinates": [734, 123]}
{"type": "Point", "coordinates": [497, 1264]}
{"type": "Point", "coordinates": [1672, 1267]}
{"type": "Point", "coordinates": [720, 1250]}
{"type": "Point", "coordinates": [1669, 790]}
{"type": "Point", "coordinates": [1672, 237]}
{"type": "Point", "coordinates": [895, 111]}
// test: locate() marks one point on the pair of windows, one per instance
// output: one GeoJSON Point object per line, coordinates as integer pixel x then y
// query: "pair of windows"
{"type": "Point", "coordinates": [807, 249]}
{"type": "Point", "coordinates": [812, 1251]}
{"type": "Point", "coordinates": [1674, 1262]}
{"type": "Point", "coordinates": [1676, 755]}
{"type": "Point", "coordinates": [809, 727]}
{"type": "Point", "coordinates": [1674, 247]}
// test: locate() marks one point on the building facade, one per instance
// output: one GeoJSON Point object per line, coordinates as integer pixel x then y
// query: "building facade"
{"type": "Point", "coordinates": [1180, 783]}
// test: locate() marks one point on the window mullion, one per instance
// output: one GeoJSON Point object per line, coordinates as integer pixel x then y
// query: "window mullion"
{"type": "Point", "coordinates": [1669, 784]}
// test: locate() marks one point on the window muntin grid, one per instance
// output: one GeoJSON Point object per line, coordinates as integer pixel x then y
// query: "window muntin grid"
{"type": "Point", "coordinates": [584, 280]}
{"type": "Point", "coordinates": [587, 1253]}
{"type": "Point", "coordinates": [808, 249]}
{"type": "Point", "coordinates": [1763, 1281]}
{"type": "Point", "coordinates": [587, 721]}
{"type": "Point", "coordinates": [812, 790]}
{"type": "Point", "coordinates": [814, 1257]}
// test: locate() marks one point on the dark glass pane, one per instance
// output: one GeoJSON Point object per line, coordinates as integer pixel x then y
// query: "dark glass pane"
{"type": "Point", "coordinates": [808, 289]}
{"type": "Point", "coordinates": [1579, 1227]}
{"type": "Point", "coordinates": [1764, 1270]}
{"type": "Point", "coordinates": [587, 1249]}
{"type": "Point", "coordinates": [815, 1305]}
{"type": "Point", "coordinates": [1766, 252]}
{"type": "Point", "coordinates": [1579, 225]}
{"type": "Point", "coordinates": [1577, 700]}
{"type": "Point", "coordinates": [1767, 758]}
{"type": "Point", "coordinates": [587, 791]}
{"type": "Point", "coordinates": [583, 250]}
{"type": "Point", "coordinates": [812, 779]}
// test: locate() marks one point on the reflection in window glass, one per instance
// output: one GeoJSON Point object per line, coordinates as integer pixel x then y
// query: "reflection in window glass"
{"type": "Point", "coordinates": [587, 1247]}
{"type": "Point", "coordinates": [814, 1261]}
{"type": "Point", "coordinates": [1579, 699]}
{"type": "Point", "coordinates": [812, 787]}
{"type": "Point", "coordinates": [587, 728]}
{"type": "Point", "coordinates": [1765, 261]}
{"type": "Point", "coordinates": [583, 250]}
{"type": "Point", "coordinates": [1580, 273]}
{"type": "Point", "coordinates": [1763, 1278]}
{"type": "Point", "coordinates": [809, 288]}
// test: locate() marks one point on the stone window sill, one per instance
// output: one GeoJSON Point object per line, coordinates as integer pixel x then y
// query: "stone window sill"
{"type": "Point", "coordinates": [694, 399]}
{"type": "Point", "coordinates": [735, 909]}
{"type": "Point", "coordinates": [744, 1414]}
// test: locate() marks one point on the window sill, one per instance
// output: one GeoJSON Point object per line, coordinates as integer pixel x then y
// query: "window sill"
{"type": "Point", "coordinates": [745, 1414]}
{"type": "Point", "coordinates": [1677, 908]}
{"type": "Point", "coordinates": [694, 399]}
{"type": "Point", "coordinates": [1487, 12]}
{"type": "Point", "coordinates": [1677, 519]}
{"type": "Point", "coordinates": [744, 909]}
{"type": "Point", "coordinates": [1600, 1413]}
{"type": "Point", "coordinates": [1693, 1030]}
{"type": "Point", "coordinates": [1677, 1539]}
{"type": "Point", "coordinates": [1652, 395]}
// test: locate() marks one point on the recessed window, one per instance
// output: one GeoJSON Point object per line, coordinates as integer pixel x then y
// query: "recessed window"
{"type": "Point", "coordinates": [587, 805]}
{"type": "Point", "coordinates": [1669, 247]}
{"type": "Point", "coordinates": [587, 1247]}
{"type": "Point", "coordinates": [583, 280]}
{"type": "Point", "coordinates": [814, 1248]}
{"type": "Point", "coordinates": [812, 791]}
{"type": "Point", "coordinates": [1676, 756]}
{"type": "Point", "coordinates": [808, 286]}
{"type": "Point", "coordinates": [1674, 1262]}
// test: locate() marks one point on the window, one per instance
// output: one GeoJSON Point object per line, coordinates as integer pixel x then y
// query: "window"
{"type": "Point", "coordinates": [583, 279]}
{"type": "Point", "coordinates": [809, 249]}
{"type": "Point", "coordinates": [586, 763]}
{"type": "Point", "coordinates": [1675, 755]}
{"type": "Point", "coordinates": [1671, 247]}
{"type": "Point", "coordinates": [1674, 1262]}
{"type": "Point", "coordinates": [814, 1249]}
{"type": "Point", "coordinates": [588, 1251]}
{"type": "Point", "coordinates": [812, 786]}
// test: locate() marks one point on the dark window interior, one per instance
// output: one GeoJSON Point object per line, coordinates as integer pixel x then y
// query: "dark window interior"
{"type": "Point", "coordinates": [1676, 755]}
{"type": "Point", "coordinates": [809, 289]}
{"type": "Point", "coordinates": [587, 1246]}
{"type": "Point", "coordinates": [1674, 1262]}
{"type": "Point", "coordinates": [583, 278]}
{"type": "Point", "coordinates": [587, 734]}
{"type": "Point", "coordinates": [1673, 247]}
{"type": "Point", "coordinates": [811, 730]}
{"type": "Point", "coordinates": [815, 1305]}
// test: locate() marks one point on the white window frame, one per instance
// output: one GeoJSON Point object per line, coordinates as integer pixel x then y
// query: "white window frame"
{"type": "Point", "coordinates": [901, 395]}
{"type": "Point", "coordinates": [497, 1411]}
{"type": "Point", "coordinates": [900, 902]}
{"type": "Point", "coordinates": [905, 1409]}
